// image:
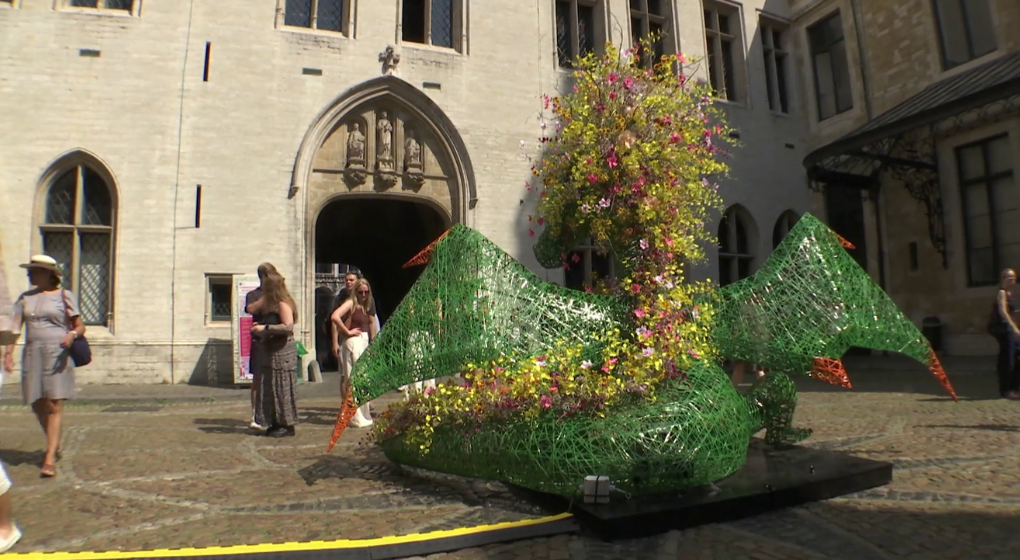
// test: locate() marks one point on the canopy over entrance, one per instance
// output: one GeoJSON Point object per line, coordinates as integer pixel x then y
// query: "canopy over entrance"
{"type": "Point", "coordinates": [902, 140]}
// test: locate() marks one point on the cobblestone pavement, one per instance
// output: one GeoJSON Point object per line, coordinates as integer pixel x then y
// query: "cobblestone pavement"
{"type": "Point", "coordinates": [148, 474]}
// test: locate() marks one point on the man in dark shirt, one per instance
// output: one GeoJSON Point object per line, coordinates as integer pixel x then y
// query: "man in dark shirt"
{"type": "Point", "coordinates": [255, 363]}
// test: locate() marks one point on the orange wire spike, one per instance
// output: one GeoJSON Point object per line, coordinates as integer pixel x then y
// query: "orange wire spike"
{"type": "Point", "coordinates": [425, 254]}
{"type": "Point", "coordinates": [935, 366]}
{"type": "Point", "coordinates": [846, 244]}
{"type": "Point", "coordinates": [347, 411]}
{"type": "Point", "coordinates": [831, 371]}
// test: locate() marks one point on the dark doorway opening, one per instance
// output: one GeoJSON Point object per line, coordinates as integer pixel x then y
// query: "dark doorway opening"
{"type": "Point", "coordinates": [376, 236]}
{"type": "Point", "coordinates": [844, 208]}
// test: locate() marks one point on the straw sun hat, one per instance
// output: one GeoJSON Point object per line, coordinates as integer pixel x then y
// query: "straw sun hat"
{"type": "Point", "coordinates": [44, 262]}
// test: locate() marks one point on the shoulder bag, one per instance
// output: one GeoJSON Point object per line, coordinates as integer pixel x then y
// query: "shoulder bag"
{"type": "Point", "coordinates": [80, 351]}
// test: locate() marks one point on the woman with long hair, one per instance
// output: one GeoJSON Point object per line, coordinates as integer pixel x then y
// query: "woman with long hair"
{"type": "Point", "coordinates": [354, 321]}
{"type": "Point", "coordinates": [1002, 325]}
{"type": "Point", "coordinates": [253, 306]}
{"type": "Point", "coordinates": [52, 322]}
{"type": "Point", "coordinates": [275, 401]}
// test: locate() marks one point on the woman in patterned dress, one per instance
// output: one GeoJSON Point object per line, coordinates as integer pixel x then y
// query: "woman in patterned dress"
{"type": "Point", "coordinates": [275, 401]}
{"type": "Point", "coordinates": [52, 322]}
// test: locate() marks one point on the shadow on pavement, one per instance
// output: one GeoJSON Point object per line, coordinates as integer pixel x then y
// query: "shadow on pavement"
{"type": "Point", "coordinates": [17, 457]}
{"type": "Point", "coordinates": [221, 425]}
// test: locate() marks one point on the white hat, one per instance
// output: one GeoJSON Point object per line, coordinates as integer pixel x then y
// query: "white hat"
{"type": "Point", "coordinates": [43, 261]}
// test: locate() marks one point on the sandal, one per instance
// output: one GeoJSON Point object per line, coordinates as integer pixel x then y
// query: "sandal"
{"type": "Point", "coordinates": [48, 471]}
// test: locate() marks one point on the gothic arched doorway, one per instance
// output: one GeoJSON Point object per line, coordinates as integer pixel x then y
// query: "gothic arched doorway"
{"type": "Point", "coordinates": [383, 172]}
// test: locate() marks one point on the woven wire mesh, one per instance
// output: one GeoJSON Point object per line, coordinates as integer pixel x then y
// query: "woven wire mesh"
{"type": "Point", "coordinates": [95, 278]}
{"type": "Point", "coordinates": [298, 13]}
{"type": "Point", "coordinates": [805, 307]}
{"type": "Point", "coordinates": [474, 303]}
{"type": "Point", "coordinates": [60, 199]}
{"type": "Point", "coordinates": [442, 23]}
{"type": "Point", "coordinates": [331, 15]}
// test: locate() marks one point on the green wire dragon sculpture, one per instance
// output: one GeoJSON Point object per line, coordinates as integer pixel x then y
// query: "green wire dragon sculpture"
{"type": "Point", "coordinates": [797, 315]}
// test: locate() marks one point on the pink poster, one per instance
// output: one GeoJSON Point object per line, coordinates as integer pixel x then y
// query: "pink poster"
{"type": "Point", "coordinates": [242, 322]}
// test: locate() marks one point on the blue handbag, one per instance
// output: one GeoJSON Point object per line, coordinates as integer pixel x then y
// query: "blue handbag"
{"type": "Point", "coordinates": [80, 351]}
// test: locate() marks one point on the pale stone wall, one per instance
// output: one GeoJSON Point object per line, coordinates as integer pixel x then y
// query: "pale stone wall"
{"type": "Point", "coordinates": [901, 57]}
{"type": "Point", "coordinates": [143, 109]}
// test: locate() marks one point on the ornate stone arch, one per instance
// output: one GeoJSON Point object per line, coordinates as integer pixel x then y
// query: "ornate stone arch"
{"type": "Point", "coordinates": [326, 167]}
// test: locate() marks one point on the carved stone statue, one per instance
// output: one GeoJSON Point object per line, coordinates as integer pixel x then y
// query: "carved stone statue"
{"type": "Point", "coordinates": [389, 59]}
{"type": "Point", "coordinates": [356, 146]}
{"type": "Point", "coordinates": [412, 153]}
{"type": "Point", "coordinates": [385, 146]}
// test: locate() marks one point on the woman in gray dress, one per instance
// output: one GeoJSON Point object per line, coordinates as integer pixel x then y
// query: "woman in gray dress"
{"type": "Point", "coordinates": [51, 321]}
{"type": "Point", "coordinates": [275, 403]}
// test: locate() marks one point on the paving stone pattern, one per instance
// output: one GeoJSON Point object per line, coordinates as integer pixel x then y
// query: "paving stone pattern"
{"type": "Point", "coordinates": [190, 473]}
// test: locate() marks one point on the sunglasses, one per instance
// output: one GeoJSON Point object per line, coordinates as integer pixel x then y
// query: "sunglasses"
{"type": "Point", "coordinates": [363, 292]}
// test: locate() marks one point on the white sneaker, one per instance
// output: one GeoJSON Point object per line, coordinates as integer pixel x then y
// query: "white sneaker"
{"type": "Point", "coordinates": [11, 540]}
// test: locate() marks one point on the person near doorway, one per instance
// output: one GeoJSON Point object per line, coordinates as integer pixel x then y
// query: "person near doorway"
{"type": "Point", "coordinates": [275, 400]}
{"type": "Point", "coordinates": [252, 306]}
{"type": "Point", "coordinates": [1003, 326]}
{"type": "Point", "coordinates": [52, 322]}
{"type": "Point", "coordinates": [353, 319]}
{"type": "Point", "coordinates": [347, 293]}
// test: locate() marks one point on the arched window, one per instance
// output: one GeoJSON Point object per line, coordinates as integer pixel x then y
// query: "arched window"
{"type": "Point", "coordinates": [77, 230]}
{"type": "Point", "coordinates": [736, 245]}
{"type": "Point", "coordinates": [783, 226]}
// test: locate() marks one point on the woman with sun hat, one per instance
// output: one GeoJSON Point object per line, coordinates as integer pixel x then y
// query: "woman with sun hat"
{"type": "Point", "coordinates": [51, 321]}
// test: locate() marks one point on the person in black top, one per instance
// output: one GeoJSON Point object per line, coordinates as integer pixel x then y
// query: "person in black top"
{"type": "Point", "coordinates": [252, 305]}
{"type": "Point", "coordinates": [1003, 327]}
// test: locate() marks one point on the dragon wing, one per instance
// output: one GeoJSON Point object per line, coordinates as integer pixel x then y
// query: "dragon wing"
{"type": "Point", "coordinates": [808, 304]}
{"type": "Point", "coordinates": [473, 303]}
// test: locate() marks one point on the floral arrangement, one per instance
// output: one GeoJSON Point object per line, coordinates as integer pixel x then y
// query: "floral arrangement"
{"type": "Point", "coordinates": [629, 164]}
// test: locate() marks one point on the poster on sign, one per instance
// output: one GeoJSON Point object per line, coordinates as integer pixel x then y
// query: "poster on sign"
{"type": "Point", "coordinates": [240, 322]}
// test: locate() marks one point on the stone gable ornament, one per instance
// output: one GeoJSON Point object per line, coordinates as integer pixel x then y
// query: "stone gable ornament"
{"type": "Point", "coordinates": [389, 59]}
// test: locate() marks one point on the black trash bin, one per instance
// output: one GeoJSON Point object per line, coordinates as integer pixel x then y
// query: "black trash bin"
{"type": "Point", "coordinates": [932, 328]}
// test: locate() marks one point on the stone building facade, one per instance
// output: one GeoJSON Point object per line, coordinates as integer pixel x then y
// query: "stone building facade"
{"type": "Point", "coordinates": [155, 147]}
{"type": "Point", "coordinates": [914, 135]}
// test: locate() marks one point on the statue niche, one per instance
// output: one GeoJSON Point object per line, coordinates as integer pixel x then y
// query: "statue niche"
{"type": "Point", "coordinates": [384, 151]}
{"type": "Point", "coordinates": [354, 170]}
{"type": "Point", "coordinates": [413, 158]}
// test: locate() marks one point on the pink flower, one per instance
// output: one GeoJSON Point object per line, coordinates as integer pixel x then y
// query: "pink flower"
{"type": "Point", "coordinates": [585, 364]}
{"type": "Point", "coordinates": [674, 138]}
{"type": "Point", "coordinates": [541, 221]}
{"type": "Point", "coordinates": [531, 233]}
{"type": "Point", "coordinates": [612, 77]}
{"type": "Point", "coordinates": [612, 160]}
{"type": "Point", "coordinates": [643, 243]}
{"type": "Point", "coordinates": [635, 288]}
{"type": "Point", "coordinates": [639, 313]}
{"type": "Point", "coordinates": [612, 95]}
{"type": "Point", "coordinates": [628, 83]}
{"type": "Point", "coordinates": [600, 107]}
{"type": "Point", "coordinates": [693, 354]}
{"type": "Point", "coordinates": [585, 208]}
{"type": "Point", "coordinates": [592, 178]}
{"type": "Point", "coordinates": [545, 401]}
{"type": "Point", "coordinates": [429, 390]}
{"type": "Point", "coordinates": [647, 351]}
{"type": "Point", "coordinates": [604, 202]}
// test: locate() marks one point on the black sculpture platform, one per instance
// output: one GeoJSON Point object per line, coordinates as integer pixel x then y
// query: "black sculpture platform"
{"type": "Point", "coordinates": [772, 478]}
